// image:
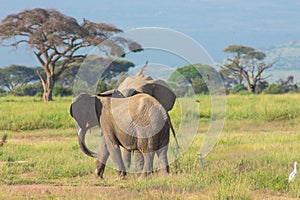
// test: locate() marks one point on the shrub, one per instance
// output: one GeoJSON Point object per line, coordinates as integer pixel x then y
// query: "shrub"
{"type": "Point", "coordinates": [273, 89]}
{"type": "Point", "coordinates": [238, 89]}
{"type": "Point", "coordinates": [199, 86]}
{"type": "Point", "coordinates": [3, 92]}
{"type": "Point", "coordinates": [61, 91]}
{"type": "Point", "coordinates": [27, 90]}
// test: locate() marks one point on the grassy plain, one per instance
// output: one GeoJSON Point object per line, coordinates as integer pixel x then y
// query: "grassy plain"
{"type": "Point", "coordinates": [252, 159]}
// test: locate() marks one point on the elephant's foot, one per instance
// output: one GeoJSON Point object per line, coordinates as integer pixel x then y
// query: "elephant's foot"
{"type": "Point", "coordinates": [163, 173]}
{"type": "Point", "coordinates": [98, 174]}
{"type": "Point", "coordinates": [145, 175]}
{"type": "Point", "coordinates": [165, 170]}
{"type": "Point", "coordinates": [99, 169]}
{"type": "Point", "coordinates": [122, 175]}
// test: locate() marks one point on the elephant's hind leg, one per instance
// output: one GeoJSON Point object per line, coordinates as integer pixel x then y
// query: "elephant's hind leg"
{"type": "Point", "coordinates": [139, 161]}
{"type": "Point", "coordinates": [127, 158]}
{"type": "Point", "coordinates": [163, 159]}
{"type": "Point", "coordinates": [148, 163]}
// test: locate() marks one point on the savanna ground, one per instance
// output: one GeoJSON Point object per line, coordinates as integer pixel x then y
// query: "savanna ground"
{"type": "Point", "coordinates": [252, 159]}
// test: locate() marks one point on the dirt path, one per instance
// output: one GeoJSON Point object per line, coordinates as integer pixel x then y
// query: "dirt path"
{"type": "Point", "coordinates": [64, 192]}
{"type": "Point", "coordinates": [36, 191]}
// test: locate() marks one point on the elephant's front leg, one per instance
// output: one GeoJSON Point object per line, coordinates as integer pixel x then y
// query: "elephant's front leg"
{"type": "Point", "coordinates": [103, 155]}
{"type": "Point", "coordinates": [116, 155]}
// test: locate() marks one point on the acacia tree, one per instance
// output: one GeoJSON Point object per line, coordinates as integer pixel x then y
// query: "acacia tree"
{"type": "Point", "coordinates": [17, 75]}
{"type": "Point", "coordinates": [248, 64]}
{"type": "Point", "coordinates": [56, 37]}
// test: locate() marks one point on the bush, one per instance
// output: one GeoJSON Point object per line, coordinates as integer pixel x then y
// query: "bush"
{"type": "Point", "coordinates": [238, 89]}
{"type": "Point", "coordinates": [273, 89]}
{"type": "Point", "coordinates": [61, 91]}
{"type": "Point", "coordinates": [27, 90]}
{"type": "Point", "coordinates": [3, 92]}
{"type": "Point", "coordinates": [199, 86]}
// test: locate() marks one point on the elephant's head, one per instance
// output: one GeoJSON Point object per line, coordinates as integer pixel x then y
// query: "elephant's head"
{"type": "Point", "coordinates": [86, 110]}
{"type": "Point", "coordinates": [141, 83]}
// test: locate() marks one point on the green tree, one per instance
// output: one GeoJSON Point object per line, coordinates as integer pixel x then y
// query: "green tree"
{"type": "Point", "coordinates": [17, 75]}
{"type": "Point", "coordinates": [196, 75]}
{"type": "Point", "coordinates": [247, 63]}
{"type": "Point", "coordinates": [261, 86]}
{"type": "Point", "coordinates": [62, 91]}
{"type": "Point", "coordinates": [53, 37]}
{"type": "Point", "coordinates": [28, 89]}
{"type": "Point", "coordinates": [273, 89]}
{"type": "Point", "coordinates": [238, 88]}
{"type": "Point", "coordinates": [199, 86]}
{"type": "Point", "coordinates": [229, 79]}
{"type": "Point", "coordinates": [115, 68]}
{"type": "Point", "coordinates": [288, 85]}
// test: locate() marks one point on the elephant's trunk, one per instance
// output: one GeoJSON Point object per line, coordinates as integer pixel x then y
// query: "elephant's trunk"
{"type": "Point", "coordinates": [81, 140]}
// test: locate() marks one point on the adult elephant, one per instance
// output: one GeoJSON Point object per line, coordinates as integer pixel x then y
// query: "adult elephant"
{"type": "Point", "coordinates": [141, 83]}
{"type": "Point", "coordinates": [136, 123]}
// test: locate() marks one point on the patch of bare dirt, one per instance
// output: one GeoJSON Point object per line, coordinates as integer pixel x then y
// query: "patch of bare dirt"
{"type": "Point", "coordinates": [65, 192]}
{"type": "Point", "coordinates": [35, 139]}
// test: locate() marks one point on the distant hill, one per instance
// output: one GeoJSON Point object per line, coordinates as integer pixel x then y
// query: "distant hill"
{"type": "Point", "coordinates": [287, 60]}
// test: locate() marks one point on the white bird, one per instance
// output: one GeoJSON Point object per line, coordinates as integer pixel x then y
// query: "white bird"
{"type": "Point", "coordinates": [293, 173]}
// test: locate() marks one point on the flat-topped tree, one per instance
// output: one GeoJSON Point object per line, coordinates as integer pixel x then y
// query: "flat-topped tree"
{"type": "Point", "coordinates": [17, 75]}
{"type": "Point", "coordinates": [247, 65]}
{"type": "Point", "coordinates": [56, 37]}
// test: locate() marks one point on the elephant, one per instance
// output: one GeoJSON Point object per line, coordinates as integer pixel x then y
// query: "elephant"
{"type": "Point", "coordinates": [140, 83]}
{"type": "Point", "coordinates": [137, 123]}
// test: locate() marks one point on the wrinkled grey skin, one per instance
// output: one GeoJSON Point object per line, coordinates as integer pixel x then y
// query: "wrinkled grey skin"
{"type": "Point", "coordinates": [141, 83]}
{"type": "Point", "coordinates": [147, 133]}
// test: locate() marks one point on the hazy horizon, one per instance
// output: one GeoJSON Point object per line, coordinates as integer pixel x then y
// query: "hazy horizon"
{"type": "Point", "coordinates": [214, 24]}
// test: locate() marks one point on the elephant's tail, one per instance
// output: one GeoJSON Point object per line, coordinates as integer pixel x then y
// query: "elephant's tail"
{"type": "Point", "coordinates": [173, 131]}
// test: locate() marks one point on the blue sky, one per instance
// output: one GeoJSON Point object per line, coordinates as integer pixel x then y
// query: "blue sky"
{"type": "Point", "coordinates": [214, 24]}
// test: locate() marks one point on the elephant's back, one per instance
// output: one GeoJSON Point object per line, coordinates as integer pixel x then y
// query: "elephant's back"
{"type": "Point", "coordinates": [140, 116]}
{"type": "Point", "coordinates": [142, 102]}
{"type": "Point", "coordinates": [145, 109]}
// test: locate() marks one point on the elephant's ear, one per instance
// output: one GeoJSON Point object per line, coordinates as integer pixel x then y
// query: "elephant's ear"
{"type": "Point", "coordinates": [141, 83]}
{"type": "Point", "coordinates": [84, 111]}
{"type": "Point", "coordinates": [71, 113]}
{"type": "Point", "coordinates": [161, 91]}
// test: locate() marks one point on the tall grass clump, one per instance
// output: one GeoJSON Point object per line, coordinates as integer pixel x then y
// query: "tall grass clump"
{"type": "Point", "coordinates": [29, 113]}
{"type": "Point", "coordinates": [263, 107]}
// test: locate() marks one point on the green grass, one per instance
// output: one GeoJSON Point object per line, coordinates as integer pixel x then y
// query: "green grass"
{"type": "Point", "coordinates": [252, 159]}
{"type": "Point", "coordinates": [25, 113]}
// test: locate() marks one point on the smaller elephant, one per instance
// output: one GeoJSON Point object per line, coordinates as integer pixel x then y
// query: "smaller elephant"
{"type": "Point", "coordinates": [137, 123]}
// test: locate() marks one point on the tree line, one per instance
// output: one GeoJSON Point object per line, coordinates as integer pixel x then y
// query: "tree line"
{"type": "Point", "coordinates": [56, 40]}
{"type": "Point", "coordinates": [23, 80]}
